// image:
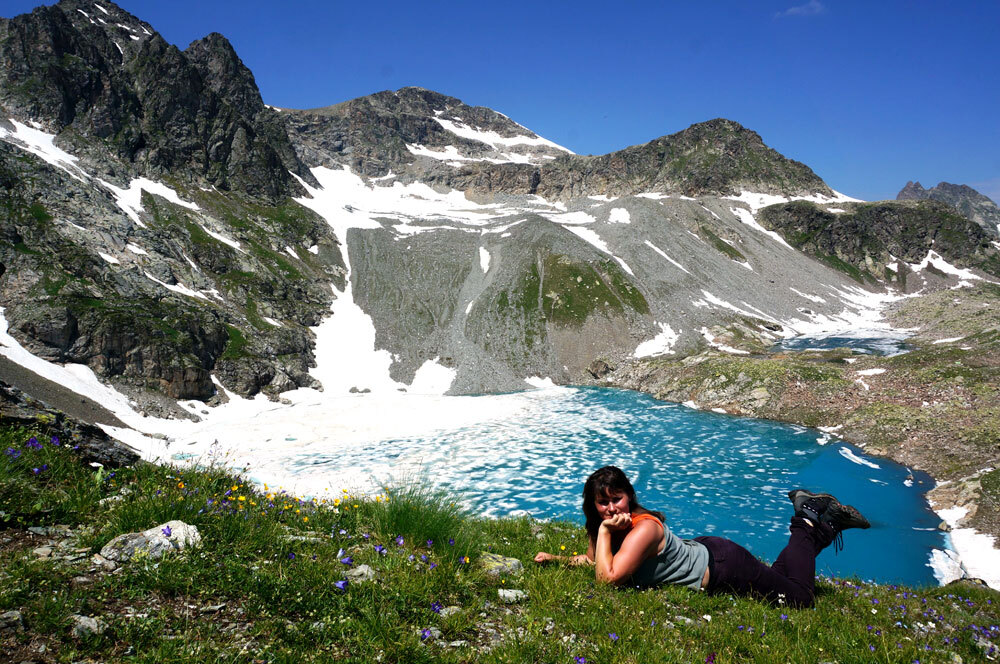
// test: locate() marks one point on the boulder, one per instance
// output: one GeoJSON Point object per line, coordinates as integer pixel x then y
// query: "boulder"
{"type": "Point", "coordinates": [85, 626]}
{"type": "Point", "coordinates": [152, 543]}
{"type": "Point", "coordinates": [497, 565]}
{"type": "Point", "coordinates": [10, 622]}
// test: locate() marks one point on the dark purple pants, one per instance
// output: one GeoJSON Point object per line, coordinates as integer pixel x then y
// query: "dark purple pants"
{"type": "Point", "coordinates": [791, 578]}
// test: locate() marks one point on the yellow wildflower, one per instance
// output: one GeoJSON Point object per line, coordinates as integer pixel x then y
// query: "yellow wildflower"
{"type": "Point", "coordinates": [180, 485]}
{"type": "Point", "coordinates": [242, 499]}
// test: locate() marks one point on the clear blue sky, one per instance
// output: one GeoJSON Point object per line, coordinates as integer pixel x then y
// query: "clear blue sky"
{"type": "Point", "coordinates": [868, 94]}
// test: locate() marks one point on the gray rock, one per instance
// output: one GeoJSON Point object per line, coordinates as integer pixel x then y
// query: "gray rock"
{"type": "Point", "coordinates": [102, 563]}
{"type": "Point", "coordinates": [511, 596]}
{"type": "Point", "coordinates": [80, 581]}
{"type": "Point", "coordinates": [360, 574]}
{"type": "Point", "coordinates": [85, 626]}
{"type": "Point", "coordinates": [497, 565]}
{"type": "Point", "coordinates": [10, 622]}
{"type": "Point", "coordinates": [43, 551]}
{"type": "Point", "coordinates": [152, 543]}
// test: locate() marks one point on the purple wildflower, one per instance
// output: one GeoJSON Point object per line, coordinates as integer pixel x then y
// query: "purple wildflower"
{"type": "Point", "coordinates": [365, 535]}
{"type": "Point", "coordinates": [710, 659]}
{"type": "Point", "coordinates": [423, 558]}
{"type": "Point", "coordinates": [291, 556]}
{"type": "Point", "coordinates": [380, 549]}
{"type": "Point", "coordinates": [436, 607]}
{"type": "Point", "coordinates": [430, 543]}
{"type": "Point", "coordinates": [166, 531]}
{"type": "Point", "coordinates": [36, 470]}
{"type": "Point", "coordinates": [784, 617]}
{"type": "Point", "coordinates": [425, 634]}
{"type": "Point", "coordinates": [341, 585]}
{"type": "Point", "coordinates": [451, 541]}
{"type": "Point", "coordinates": [347, 560]}
{"type": "Point", "coordinates": [433, 565]}
{"type": "Point", "coordinates": [613, 636]}
{"type": "Point", "coordinates": [11, 452]}
{"type": "Point", "coordinates": [579, 660]}
{"type": "Point", "coordinates": [34, 444]}
{"type": "Point", "coordinates": [411, 557]}
{"type": "Point", "coordinates": [399, 540]}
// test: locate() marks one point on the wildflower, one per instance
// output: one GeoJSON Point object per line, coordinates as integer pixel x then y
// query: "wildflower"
{"type": "Point", "coordinates": [436, 607]}
{"type": "Point", "coordinates": [451, 541]}
{"type": "Point", "coordinates": [347, 560]}
{"type": "Point", "coordinates": [380, 549]}
{"type": "Point", "coordinates": [579, 660]}
{"type": "Point", "coordinates": [55, 441]}
{"type": "Point", "coordinates": [562, 547]}
{"type": "Point", "coordinates": [305, 519]}
{"type": "Point", "coordinates": [871, 647]}
{"type": "Point", "coordinates": [242, 499]}
{"type": "Point", "coordinates": [36, 470]}
{"type": "Point", "coordinates": [433, 565]}
{"type": "Point", "coordinates": [411, 557]}
{"type": "Point", "coordinates": [342, 531]}
{"type": "Point", "coordinates": [340, 552]}
{"type": "Point", "coordinates": [341, 585]}
{"type": "Point", "coordinates": [613, 636]}
{"type": "Point", "coordinates": [710, 659]}
{"type": "Point", "coordinates": [784, 617]}
{"type": "Point", "coordinates": [166, 531]}
{"type": "Point", "coordinates": [34, 444]}
{"type": "Point", "coordinates": [180, 485]}
{"type": "Point", "coordinates": [430, 543]}
{"type": "Point", "coordinates": [425, 634]}
{"type": "Point", "coordinates": [423, 558]}
{"type": "Point", "coordinates": [16, 453]}
{"type": "Point", "coordinates": [465, 560]}
{"type": "Point", "coordinates": [740, 628]}
{"type": "Point", "coordinates": [365, 535]}
{"type": "Point", "coordinates": [291, 556]}
{"type": "Point", "coordinates": [399, 540]}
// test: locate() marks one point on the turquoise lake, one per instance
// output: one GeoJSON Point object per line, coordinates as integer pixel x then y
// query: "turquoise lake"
{"type": "Point", "coordinates": [711, 474]}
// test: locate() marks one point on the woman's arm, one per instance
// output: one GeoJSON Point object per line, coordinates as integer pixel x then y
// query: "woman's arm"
{"type": "Point", "coordinates": [582, 559]}
{"type": "Point", "coordinates": [640, 542]}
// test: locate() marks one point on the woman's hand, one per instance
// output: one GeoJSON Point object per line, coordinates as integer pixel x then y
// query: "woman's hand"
{"type": "Point", "coordinates": [618, 522]}
{"type": "Point", "coordinates": [542, 557]}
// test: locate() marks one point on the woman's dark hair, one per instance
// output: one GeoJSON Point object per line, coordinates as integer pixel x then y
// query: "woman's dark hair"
{"type": "Point", "coordinates": [607, 480]}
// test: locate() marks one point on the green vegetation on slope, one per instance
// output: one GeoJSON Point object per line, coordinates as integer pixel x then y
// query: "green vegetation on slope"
{"type": "Point", "coordinates": [263, 584]}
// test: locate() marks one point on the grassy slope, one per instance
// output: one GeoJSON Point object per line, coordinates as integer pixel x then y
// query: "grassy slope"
{"type": "Point", "coordinates": [272, 560]}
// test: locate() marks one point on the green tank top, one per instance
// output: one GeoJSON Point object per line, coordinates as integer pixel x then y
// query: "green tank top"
{"type": "Point", "coordinates": [681, 562]}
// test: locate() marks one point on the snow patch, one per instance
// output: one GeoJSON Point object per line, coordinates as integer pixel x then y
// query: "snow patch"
{"type": "Point", "coordinates": [619, 216]}
{"type": "Point", "coordinates": [42, 145]}
{"type": "Point", "coordinates": [136, 249]}
{"type": "Point", "coordinates": [109, 258]}
{"type": "Point", "coordinates": [747, 218]}
{"type": "Point", "coordinates": [947, 341]}
{"type": "Point", "coordinates": [130, 200]}
{"type": "Point", "coordinates": [870, 372]}
{"type": "Point", "coordinates": [494, 139]}
{"type": "Point", "coordinates": [484, 259]}
{"type": "Point", "coordinates": [663, 253]}
{"type": "Point", "coordinates": [854, 458]}
{"type": "Point", "coordinates": [661, 344]}
{"type": "Point", "coordinates": [540, 383]}
{"type": "Point", "coordinates": [710, 338]}
{"type": "Point", "coordinates": [177, 288]}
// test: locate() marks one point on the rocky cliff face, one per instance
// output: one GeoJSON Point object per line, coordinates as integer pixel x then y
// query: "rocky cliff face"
{"type": "Point", "coordinates": [887, 240]}
{"type": "Point", "coordinates": [969, 203]}
{"type": "Point", "coordinates": [167, 229]}
{"type": "Point", "coordinates": [110, 85]}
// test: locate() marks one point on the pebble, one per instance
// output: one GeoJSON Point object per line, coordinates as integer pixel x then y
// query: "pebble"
{"type": "Point", "coordinates": [79, 581]}
{"type": "Point", "coordinates": [43, 551]}
{"type": "Point", "coordinates": [212, 608]}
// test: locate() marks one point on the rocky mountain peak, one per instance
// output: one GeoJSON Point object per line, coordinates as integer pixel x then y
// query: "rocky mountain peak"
{"type": "Point", "coordinates": [963, 198]}
{"type": "Point", "coordinates": [225, 74]}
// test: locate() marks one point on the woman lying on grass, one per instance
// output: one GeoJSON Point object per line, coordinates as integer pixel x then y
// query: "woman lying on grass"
{"type": "Point", "coordinates": [630, 545]}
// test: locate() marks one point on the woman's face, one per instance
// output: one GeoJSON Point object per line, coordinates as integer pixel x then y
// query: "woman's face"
{"type": "Point", "coordinates": [611, 502]}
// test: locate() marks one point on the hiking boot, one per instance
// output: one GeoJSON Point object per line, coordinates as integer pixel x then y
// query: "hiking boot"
{"type": "Point", "coordinates": [809, 505]}
{"type": "Point", "coordinates": [842, 517]}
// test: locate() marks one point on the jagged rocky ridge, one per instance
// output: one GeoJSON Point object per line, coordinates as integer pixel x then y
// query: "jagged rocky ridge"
{"type": "Point", "coordinates": [186, 233]}
{"type": "Point", "coordinates": [969, 202]}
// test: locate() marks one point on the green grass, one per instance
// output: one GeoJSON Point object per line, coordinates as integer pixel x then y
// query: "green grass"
{"type": "Point", "coordinates": [281, 604]}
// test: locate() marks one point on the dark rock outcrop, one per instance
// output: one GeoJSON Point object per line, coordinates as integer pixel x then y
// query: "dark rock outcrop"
{"type": "Point", "coordinates": [868, 236]}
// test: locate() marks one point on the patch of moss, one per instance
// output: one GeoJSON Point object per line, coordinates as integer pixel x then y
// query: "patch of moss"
{"type": "Point", "coordinates": [22, 248]}
{"type": "Point", "coordinates": [888, 424]}
{"type": "Point", "coordinates": [990, 483]}
{"type": "Point", "coordinates": [39, 213]}
{"type": "Point", "coordinates": [721, 245]}
{"type": "Point", "coordinates": [846, 268]}
{"type": "Point", "coordinates": [236, 346]}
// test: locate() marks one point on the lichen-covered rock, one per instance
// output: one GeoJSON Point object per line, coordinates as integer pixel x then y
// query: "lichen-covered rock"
{"type": "Point", "coordinates": [496, 565]}
{"type": "Point", "coordinates": [361, 573]}
{"type": "Point", "coordinates": [10, 622]}
{"type": "Point", "coordinates": [152, 543]}
{"type": "Point", "coordinates": [85, 626]}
